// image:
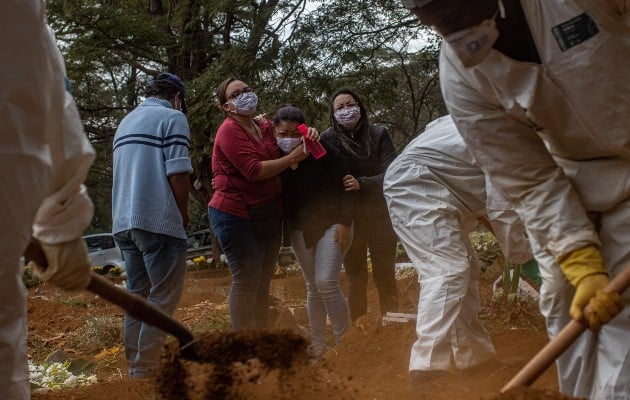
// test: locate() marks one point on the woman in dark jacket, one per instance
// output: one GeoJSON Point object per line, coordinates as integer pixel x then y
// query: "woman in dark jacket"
{"type": "Point", "coordinates": [369, 150]}
{"type": "Point", "coordinates": [318, 212]}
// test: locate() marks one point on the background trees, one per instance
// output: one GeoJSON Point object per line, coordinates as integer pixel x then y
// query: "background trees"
{"type": "Point", "coordinates": [290, 51]}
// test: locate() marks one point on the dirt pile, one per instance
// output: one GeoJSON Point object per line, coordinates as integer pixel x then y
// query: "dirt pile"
{"type": "Point", "coordinates": [225, 359]}
{"type": "Point", "coordinates": [531, 394]}
{"type": "Point", "coordinates": [371, 362]}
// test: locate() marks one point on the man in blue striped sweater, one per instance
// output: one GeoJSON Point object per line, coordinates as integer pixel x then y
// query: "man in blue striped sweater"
{"type": "Point", "coordinates": [149, 207]}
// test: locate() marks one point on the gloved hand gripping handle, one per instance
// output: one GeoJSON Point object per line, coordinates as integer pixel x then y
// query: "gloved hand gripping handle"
{"type": "Point", "coordinates": [545, 357]}
{"type": "Point", "coordinates": [133, 304]}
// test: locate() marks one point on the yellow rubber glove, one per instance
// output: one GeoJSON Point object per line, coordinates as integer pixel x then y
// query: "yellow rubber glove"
{"type": "Point", "coordinates": [68, 265]}
{"type": "Point", "coordinates": [585, 269]}
{"type": "Point", "coordinates": [603, 307]}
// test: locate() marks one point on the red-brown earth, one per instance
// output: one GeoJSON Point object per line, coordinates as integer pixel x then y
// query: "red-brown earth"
{"type": "Point", "coordinates": [370, 363]}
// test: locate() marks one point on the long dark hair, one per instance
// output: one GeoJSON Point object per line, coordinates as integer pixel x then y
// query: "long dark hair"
{"type": "Point", "coordinates": [362, 129]}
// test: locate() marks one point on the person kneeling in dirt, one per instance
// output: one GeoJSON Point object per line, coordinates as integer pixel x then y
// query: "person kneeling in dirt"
{"type": "Point", "coordinates": [319, 215]}
{"type": "Point", "coordinates": [436, 196]}
{"type": "Point", "coordinates": [45, 159]}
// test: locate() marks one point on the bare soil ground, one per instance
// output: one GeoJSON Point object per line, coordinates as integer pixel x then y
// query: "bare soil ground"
{"type": "Point", "coordinates": [370, 363]}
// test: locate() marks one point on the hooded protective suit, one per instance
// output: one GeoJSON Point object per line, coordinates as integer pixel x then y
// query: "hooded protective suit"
{"type": "Point", "coordinates": [435, 195]}
{"type": "Point", "coordinates": [45, 156]}
{"type": "Point", "coordinates": [555, 139]}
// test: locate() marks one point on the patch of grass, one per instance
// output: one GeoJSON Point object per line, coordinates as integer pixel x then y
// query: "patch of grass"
{"type": "Point", "coordinates": [28, 278]}
{"type": "Point", "coordinates": [99, 332]}
{"type": "Point", "coordinates": [215, 322]}
{"type": "Point", "coordinates": [72, 301]}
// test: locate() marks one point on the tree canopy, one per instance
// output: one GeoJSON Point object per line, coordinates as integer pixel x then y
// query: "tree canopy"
{"type": "Point", "coordinates": [290, 51]}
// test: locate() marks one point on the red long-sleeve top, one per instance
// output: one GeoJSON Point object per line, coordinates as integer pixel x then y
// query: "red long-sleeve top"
{"type": "Point", "coordinates": [236, 162]}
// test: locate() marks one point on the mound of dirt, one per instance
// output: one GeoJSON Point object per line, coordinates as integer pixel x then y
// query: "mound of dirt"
{"type": "Point", "coordinates": [222, 357]}
{"type": "Point", "coordinates": [371, 362]}
{"type": "Point", "coordinates": [531, 394]}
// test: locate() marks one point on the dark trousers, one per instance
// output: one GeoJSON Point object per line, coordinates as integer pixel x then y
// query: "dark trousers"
{"type": "Point", "coordinates": [381, 242]}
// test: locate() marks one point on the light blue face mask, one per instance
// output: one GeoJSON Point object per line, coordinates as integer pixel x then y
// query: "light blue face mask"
{"type": "Point", "coordinates": [245, 103]}
{"type": "Point", "coordinates": [288, 144]}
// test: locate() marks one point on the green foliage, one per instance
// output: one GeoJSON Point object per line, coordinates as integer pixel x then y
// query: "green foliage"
{"type": "Point", "coordinates": [401, 254]}
{"type": "Point", "coordinates": [217, 321]}
{"type": "Point", "coordinates": [511, 278]}
{"type": "Point", "coordinates": [198, 214]}
{"type": "Point", "coordinates": [288, 50]}
{"type": "Point", "coordinates": [72, 301]}
{"type": "Point", "coordinates": [28, 278]}
{"type": "Point", "coordinates": [486, 246]}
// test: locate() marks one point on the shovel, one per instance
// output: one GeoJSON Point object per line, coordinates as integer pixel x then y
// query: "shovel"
{"type": "Point", "coordinates": [133, 304]}
{"type": "Point", "coordinates": [545, 357]}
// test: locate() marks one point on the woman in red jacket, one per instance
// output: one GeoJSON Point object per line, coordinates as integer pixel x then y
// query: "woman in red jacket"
{"type": "Point", "coordinates": [246, 164]}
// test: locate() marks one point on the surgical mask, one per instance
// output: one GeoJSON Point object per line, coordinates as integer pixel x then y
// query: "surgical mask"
{"type": "Point", "coordinates": [472, 45]}
{"type": "Point", "coordinates": [288, 144]}
{"type": "Point", "coordinates": [245, 103]}
{"type": "Point", "coordinates": [348, 116]}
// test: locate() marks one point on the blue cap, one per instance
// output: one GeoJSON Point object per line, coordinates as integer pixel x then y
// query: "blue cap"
{"type": "Point", "coordinates": [175, 81]}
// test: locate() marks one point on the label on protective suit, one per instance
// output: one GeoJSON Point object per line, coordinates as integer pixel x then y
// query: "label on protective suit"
{"type": "Point", "coordinates": [575, 31]}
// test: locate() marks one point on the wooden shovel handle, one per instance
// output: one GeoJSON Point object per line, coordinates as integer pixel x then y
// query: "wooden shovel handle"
{"type": "Point", "coordinates": [545, 357]}
{"type": "Point", "coordinates": [137, 307]}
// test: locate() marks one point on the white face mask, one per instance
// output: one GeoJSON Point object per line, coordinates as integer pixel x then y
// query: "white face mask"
{"type": "Point", "coordinates": [348, 116]}
{"type": "Point", "coordinates": [288, 144]}
{"type": "Point", "coordinates": [472, 45]}
{"type": "Point", "coordinates": [245, 103]}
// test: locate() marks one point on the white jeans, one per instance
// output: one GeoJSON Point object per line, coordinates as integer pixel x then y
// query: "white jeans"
{"type": "Point", "coordinates": [321, 266]}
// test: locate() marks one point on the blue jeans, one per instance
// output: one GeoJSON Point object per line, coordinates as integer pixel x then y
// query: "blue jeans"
{"type": "Point", "coordinates": [156, 265]}
{"type": "Point", "coordinates": [321, 266]}
{"type": "Point", "coordinates": [252, 263]}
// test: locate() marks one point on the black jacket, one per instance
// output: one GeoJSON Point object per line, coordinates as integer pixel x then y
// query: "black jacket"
{"type": "Point", "coordinates": [314, 197]}
{"type": "Point", "coordinates": [369, 170]}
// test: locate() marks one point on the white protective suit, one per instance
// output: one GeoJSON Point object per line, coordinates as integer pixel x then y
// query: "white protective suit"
{"type": "Point", "coordinates": [555, 140]}
{"type": "Point", "coordinates": [435, 195]}
{"type": "Point", "coordinates": [44, 158]}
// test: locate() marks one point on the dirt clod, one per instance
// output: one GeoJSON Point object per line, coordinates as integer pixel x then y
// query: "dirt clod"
{"type": "Point", "coordinates": [230, 356]}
